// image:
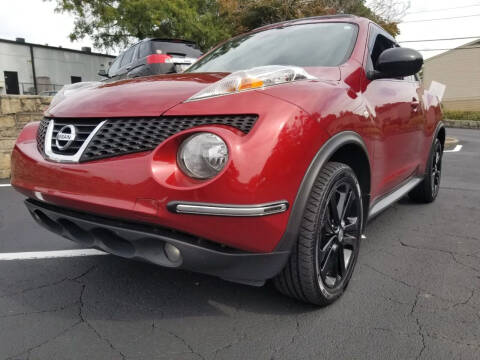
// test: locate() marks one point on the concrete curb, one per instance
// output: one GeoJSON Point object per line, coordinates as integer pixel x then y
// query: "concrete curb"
{"type": "Point", "coordinates": [462, 124]}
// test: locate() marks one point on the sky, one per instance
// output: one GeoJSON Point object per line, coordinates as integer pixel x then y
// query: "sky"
{"type": "Point", "coordinates": [36, 21]}
{"type": "Point", "coordinates": [414, 28]}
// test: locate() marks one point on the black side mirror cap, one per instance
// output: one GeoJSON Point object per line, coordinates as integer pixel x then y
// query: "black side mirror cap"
{"type": "Point", "coordinates": [397, 62]}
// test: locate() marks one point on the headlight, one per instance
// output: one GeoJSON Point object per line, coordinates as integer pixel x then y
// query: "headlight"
{"type": "Point", "coordinates": [203, 155]}
{"type": "Point", "coordinates": [255, 78]}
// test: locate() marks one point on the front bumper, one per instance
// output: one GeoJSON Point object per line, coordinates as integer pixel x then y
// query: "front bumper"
{"type": "Point", "coordinates": [127, 187]}
{"type": "Point", "coordinates": [141, 186]}
{"type": "Point", "coordinates": [147, 243]}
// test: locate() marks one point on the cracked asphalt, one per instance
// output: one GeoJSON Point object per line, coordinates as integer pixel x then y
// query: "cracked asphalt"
{"type": "Point", "coordinates": [415, 293]}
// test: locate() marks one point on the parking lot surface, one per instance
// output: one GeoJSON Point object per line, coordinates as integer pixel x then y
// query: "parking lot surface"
{"type": "Point", "coordinates": [415, 293]}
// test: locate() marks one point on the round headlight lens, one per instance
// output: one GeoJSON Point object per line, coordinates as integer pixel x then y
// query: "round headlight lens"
{"type": "Point", "coordinates": [203, 155]}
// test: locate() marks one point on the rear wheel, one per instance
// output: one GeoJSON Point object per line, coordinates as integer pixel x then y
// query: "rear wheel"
{"type": "Point", "coordinates": [427, 190]}
{"type": "Point", "coordinates": [324, 256]}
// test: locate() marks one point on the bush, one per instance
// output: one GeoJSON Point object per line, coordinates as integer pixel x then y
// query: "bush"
{"type": "Point", "coordinates": [462, 115]}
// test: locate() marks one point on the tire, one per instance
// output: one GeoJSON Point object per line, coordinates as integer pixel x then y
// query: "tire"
{"type": "Point", "coordinates": [331, 226]}
{"type": "Point", "coordinates": [427, 190]}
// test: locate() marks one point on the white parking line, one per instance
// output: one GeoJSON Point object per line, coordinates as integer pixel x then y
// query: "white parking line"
{"type": "Point", "coordinates": [456, 149]}
{"type": "Point", "coordinates": [50, 254]}
{"type": "Point", "coordinates": [2, 185]}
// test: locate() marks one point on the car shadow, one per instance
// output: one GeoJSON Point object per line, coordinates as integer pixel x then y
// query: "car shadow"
{"type": "Point", "coordinates": [109, 288]}
{"type": "Point", "coordinates": [112, 288]}
{"type": "Point", "coordinates": [121, 289]}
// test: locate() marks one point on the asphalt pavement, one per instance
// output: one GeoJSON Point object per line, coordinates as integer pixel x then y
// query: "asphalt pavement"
{"type": "Point", "coordinates": [415, 293]}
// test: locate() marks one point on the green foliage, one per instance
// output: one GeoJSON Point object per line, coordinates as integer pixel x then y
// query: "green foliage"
{"type": "Point", "coordinates": [462, 115]}
{"type": "Point", "coordinates": [113, 23]}
{"type": "Point", "coordinates": [255, 13]}
{"type": "Point", "coordinates": [120, 22]}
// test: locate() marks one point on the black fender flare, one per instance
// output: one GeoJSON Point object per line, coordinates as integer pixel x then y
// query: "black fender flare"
{"type": "Point", "coordinates": [321, 158]}
{"type": "Point", "coordinates": [439, 127]}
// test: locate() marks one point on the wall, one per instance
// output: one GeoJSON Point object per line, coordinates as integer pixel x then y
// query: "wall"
{"type": "Point", "coordinates": [459, 70]}
{"type": "Point", "coordinates": [15, 112]}
{"type": "Point", "coordinates": [60, 65]}
{"type": "Point", "coordinates": [16, 58]}
{"type": "Point", "coordinates": [57, 64]}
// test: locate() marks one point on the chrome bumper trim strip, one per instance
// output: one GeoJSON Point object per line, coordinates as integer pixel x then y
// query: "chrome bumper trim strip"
{"type": "Point", "coordinates": [227, 209]}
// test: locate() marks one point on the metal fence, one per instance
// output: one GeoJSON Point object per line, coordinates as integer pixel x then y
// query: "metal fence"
{"type": "Point", "coordinates": [42, 88]}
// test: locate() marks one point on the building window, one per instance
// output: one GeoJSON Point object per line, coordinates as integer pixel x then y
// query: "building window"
{"type": "Point", "coordinates": [75, 79]}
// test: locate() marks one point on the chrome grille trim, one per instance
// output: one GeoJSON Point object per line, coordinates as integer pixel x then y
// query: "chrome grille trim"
{"type": "Point", "coordinates": [75, 158]}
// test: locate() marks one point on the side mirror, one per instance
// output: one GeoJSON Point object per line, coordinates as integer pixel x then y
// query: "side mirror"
{"type": "Point", "coordinates": [397, 62]}
{"type": "Point", "coordinates": [103, 73]}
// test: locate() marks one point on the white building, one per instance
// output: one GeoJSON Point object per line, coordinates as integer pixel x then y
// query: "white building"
{"type": "Point", "coordinates": [27, 68]}
{"type": "Point", "coordinates": [459, 70]}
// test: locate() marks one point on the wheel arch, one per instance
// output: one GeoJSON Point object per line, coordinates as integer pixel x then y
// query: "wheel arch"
{"type": "Point", "coordinates": [346, 147]}
{"type": "Point", "coordinates": [441, 134]}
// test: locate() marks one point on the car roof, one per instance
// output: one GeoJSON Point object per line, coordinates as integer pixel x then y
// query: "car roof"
{"type": "Point", "coordinates": [182, 41]}
{"type": "Point", "coordinates": [314, 19]}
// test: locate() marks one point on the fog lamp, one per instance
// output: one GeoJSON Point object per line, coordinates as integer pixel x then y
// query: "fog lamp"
{"type": "Point", "coordinates": [203, 155]}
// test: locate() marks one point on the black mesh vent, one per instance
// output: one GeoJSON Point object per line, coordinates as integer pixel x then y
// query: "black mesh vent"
{"type": "Point", "coordinates": [125, 136]}
{"type": "Point", "coordinates": [41, 132]}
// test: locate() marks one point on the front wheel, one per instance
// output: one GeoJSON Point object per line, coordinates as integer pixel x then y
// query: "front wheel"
{"type": "Point", "coordinates": [427, 190]}
{"type": "Point", "coordinates": [324, 256]}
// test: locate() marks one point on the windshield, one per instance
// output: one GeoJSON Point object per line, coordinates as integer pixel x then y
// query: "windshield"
{"type": "Point", "coordinates": [320, 44]}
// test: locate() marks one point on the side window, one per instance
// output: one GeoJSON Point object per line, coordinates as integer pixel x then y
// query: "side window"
{"type": "Point", "coordinates": [127, 57]}
{"type": "Point", "coordinates": [381, 44]}
{"type": "Point", "coordinates": [145, 49]}
{"type": "Point", "coordinates": [136, 50]}
{"type": "Point", "coordinates": [115, 66]}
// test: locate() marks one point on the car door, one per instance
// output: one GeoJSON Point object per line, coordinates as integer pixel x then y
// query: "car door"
{"type": "Point", "coordinates": [395, 107]}
{"type": "Point", "coordinates": [136, 63]}
{"type": "Point", "coordinates": [126, 62]}
{"type": "Point", "coordinates": [138, 68]}
{"type": "Point", "coordinates": [114, 68]}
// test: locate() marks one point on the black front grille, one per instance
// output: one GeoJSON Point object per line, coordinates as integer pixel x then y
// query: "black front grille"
{"type": "Point", "coordinates": [120, 136]}
{"type": "Point", "coordinates": [124, 136]}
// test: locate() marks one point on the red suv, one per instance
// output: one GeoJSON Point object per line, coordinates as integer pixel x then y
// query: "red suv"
{"type": "Point", "coordinates": [263, 161]}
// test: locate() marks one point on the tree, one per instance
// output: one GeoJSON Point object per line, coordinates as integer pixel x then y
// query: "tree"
{"type": "Point", "coordinates": [254, 13]}
{"type": "Point", "coordinates": [113, 23]}
{"type": "Point", "coordinates": [389, 10]}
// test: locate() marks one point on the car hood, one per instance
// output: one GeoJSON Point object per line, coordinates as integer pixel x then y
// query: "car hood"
{"type": "Point", "coordinates": [144, 96]}
{"type": "Point", "coordinates": [147, 96]}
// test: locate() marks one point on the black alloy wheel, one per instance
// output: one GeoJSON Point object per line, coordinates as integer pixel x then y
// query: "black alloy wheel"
{"type": "Point", "coordinates": [339, 236]}
{"type": "Point", "coordinates": [324, 257]}
{"type": "Point", "coordinates": [427, 190]}
{"type": "Point", "coordinates": [436, 170]}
